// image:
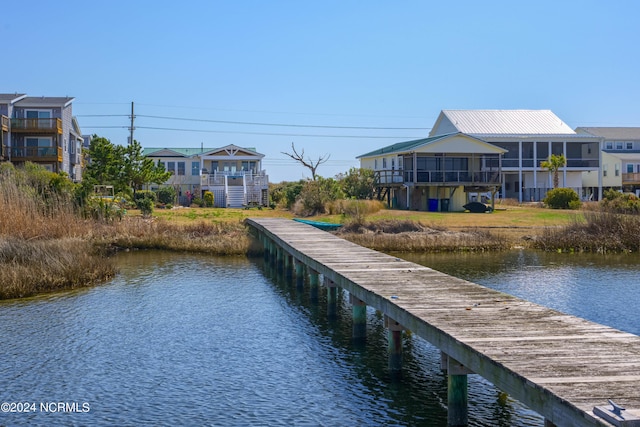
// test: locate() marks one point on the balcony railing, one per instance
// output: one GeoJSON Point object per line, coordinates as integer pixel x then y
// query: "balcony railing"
{"type": "Point", "coordinates": [37, 125]}
{"type": "Point", "coordinates": [36, 154]}
{"type": "Point", "coordinates": [251, 178]}
{"type": "Point", "coordinates": [5, 123]}
{"type": "Point", "coordinates": [631, 178]}
{"type": "Point", "coordinates": [438, 177]}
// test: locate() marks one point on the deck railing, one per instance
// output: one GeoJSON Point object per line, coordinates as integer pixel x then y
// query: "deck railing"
{"type": "Point", "coordinates": [4, 122]}
{"type": "Point", "coordinates": [22, 154]}
{"type": "Point", "coordinates": [250, 178]}
{"type": "Point", "coordinates": [437, 177]}
{"type": "Point", "coordinates": [630, 178]}
{"type": "Point", "coordinates": [37, 125]}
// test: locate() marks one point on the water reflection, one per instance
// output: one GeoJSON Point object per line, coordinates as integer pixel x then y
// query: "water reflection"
{"type": "Point", "coordinates": [196, 340]}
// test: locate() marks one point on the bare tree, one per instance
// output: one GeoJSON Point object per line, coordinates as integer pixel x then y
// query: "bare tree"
{"type": "Point", "coordinates": [308, 163]}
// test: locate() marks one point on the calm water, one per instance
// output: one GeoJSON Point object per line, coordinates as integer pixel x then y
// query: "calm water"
{"type": "Point", "coordinates": [194, 340]}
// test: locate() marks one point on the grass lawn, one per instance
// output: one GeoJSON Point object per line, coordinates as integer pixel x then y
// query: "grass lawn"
{"type": "Point", "coordinates": [509, 220]}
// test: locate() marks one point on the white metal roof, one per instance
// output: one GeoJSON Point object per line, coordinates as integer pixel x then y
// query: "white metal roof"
{"type": "Point", "coordinates": [619, 133]}
{"type": "Point", "coordinates": [506, 122]}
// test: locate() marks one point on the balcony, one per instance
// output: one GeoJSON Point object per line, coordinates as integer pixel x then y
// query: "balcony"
{"type": "Point", "coordinates": [36, 154]}
{"type": "Point", "coordinates": [452, 177]}
{"type": "Point", "coordinates": [4, 123]}
{"type": "Point", "coordinates": [33, 126]}
{"type": "Point", "coordinates": [630, 178]}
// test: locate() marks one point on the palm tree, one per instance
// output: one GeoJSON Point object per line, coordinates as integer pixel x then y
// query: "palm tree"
{"type": "Point", "coordinates": [553, 164]}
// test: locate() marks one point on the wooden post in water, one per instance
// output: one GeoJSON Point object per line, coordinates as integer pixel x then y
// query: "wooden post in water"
{"type": "Point", "coordinates": [457, 391]}
{"type": "Point", "coordinates": [395, 344]}
{"type": "Point", "coordinates": [299, 266]}
{"type": "Point", "coordinates": [332, 297]}
{"type": "Point", "coordinates": [279, 258]}
{"type": "Point", "coordinates": [359, 311]}
{"type": "Point", "coordinates": [314, 281]}
{"type": "Point", "coordinates": [288, 266]}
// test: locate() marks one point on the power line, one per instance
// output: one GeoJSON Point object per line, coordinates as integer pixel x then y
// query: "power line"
{"type": "Point", "coordinates": [277, 134]}
{"type": "Point", "coordinates": [278, 124]}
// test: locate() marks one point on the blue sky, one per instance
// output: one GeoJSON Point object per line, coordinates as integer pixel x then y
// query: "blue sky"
{"type": "Point", "coordinates": [374, 64]}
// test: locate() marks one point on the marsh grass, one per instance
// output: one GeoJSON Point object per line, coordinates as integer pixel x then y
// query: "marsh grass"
{"type": "Point", "coordinates": [412, 236]}
{"type": "Point", "coordinates": [40, 266]}
{"type": "Point", "coordinates": [598, 232]}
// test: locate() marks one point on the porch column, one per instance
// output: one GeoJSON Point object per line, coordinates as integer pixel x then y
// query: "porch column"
{"type": "Point", "coordinates": [394, 344]}
{"type": "Point", "coordinates": [314, 279]}
{"type": "Point", "coordinates": [332, 297]}
{"type": "Point", "coordinates": [457, 388]}
{"type": "Point", "coordinates": [520, 183]}
{"type": "Point", "coordinates": [359, 313]}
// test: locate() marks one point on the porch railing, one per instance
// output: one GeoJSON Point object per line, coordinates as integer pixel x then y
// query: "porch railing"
{"type": "Point", "coordinates": [249, 178]}
{"type": "Point", "coordinates": [452, 177]}
{"type": "Point", "coordinates": [36, 154]}
{"type": "Point", "coordinates": [37, 125]}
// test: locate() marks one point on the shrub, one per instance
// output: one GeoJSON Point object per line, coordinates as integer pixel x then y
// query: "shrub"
{"type": "Point", "coordinates": [197, 201]}
{"type": "Point", "coordinates": [623, 203]}
{"type": "Point", "coordinates": [358, 183]}
{"type": "Point", "coordinates": [145, 200]}
{"type": "Point", "coordinates": [562, 198]}
{"type": "Point", "coordinates": [208, 199]}
{"type": "Point", "coordinates": [316, 196]}
{"type": "Point", "coordinates": [166, 195]}
{"type": "Point", "coordinates": [285, 194]}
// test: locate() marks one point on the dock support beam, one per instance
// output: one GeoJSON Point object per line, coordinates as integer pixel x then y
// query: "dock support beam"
{"type": "Point", "coordinates": [332, 297]}
{"type": "Point", "coordinates": [359, 312]}
{"type": "Point", "coordinates": [314, 280]}
{"type": "Point", "coordinates": [457, 390]}
{"type": "Point", "coordinates": [288, 266]}
{"type": "Point", "coordinates": [395, 344]}
{"type": "Point", "coordinates": [299, 266]}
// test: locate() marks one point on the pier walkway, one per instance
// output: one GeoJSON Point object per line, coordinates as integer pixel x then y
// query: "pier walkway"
{"type": "Point", "coordinates": [561, 366]}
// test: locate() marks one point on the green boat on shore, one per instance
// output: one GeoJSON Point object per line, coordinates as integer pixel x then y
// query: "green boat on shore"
{"type": "Point", "coordinates": [326, 226]}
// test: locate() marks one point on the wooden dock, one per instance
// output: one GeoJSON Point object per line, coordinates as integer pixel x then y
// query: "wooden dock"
{"type": "Point", "coordinates": [561, 366]}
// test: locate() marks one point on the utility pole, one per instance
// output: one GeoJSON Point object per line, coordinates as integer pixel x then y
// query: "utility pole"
{"type": "Point", "coordinates": [131, 128]}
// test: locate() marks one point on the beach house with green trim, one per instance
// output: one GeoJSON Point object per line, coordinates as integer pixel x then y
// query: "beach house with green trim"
{"type": "Point", "coordinates": [233, 174]}
{"type": "Point", "coordinates": [438, 173]}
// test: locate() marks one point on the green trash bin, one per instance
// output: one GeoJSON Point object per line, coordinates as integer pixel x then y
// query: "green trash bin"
{"type": "Point", "coordinates": [444, 205]}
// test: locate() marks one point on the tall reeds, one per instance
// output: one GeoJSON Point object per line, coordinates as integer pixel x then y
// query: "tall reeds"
{"type": "Point", "coordinates": [600, 232]}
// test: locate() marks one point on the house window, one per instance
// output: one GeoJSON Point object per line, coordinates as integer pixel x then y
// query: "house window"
{"type": "Point", "coordinates": [375, 164]}
{"type": "Point", "coordinates": [38, 142]}
{"type": "Point", "coordinates": [629, 168]}
{"type": "Point", "coordinates": [604, 170]}
{"type": "Point", "coordinates": [41, 117]}
{"type": "Point", "coordinates": [384, 163]}
{"type": "Point", "coordinates": [161, 163]}
{"type": "Point", "coordinates": [181, 168]}
{"type": "Point", "coordinates": [617, 169]}
{"type": "Point", "coordinates": [171, 167]}
{"type": "Point", "coordinates": [619, 145]}
{"type": "Point", "coordinates": [195, 168]}
{"type": "Point", "coordinates": [608, 145]}
{"type": "Point", "coordinates": [629, 145]}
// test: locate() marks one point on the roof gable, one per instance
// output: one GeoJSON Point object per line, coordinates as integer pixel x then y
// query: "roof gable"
{"type": "Point", "coordinates": [500, 122]}
{"type": "Point", "coordinates": [232, 150]}
{"type": "Point", "coordinates": [452, 143]}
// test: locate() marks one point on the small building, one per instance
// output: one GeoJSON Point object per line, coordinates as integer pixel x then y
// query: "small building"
{"type": "Point", "coordinates": [438, 173]}
{"type": "Point", "coordinates": [233, 174]}
{"type": "Point", "coordinates": [41, 130]}
{"type": "Point", "coordinates": [620, 157]}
